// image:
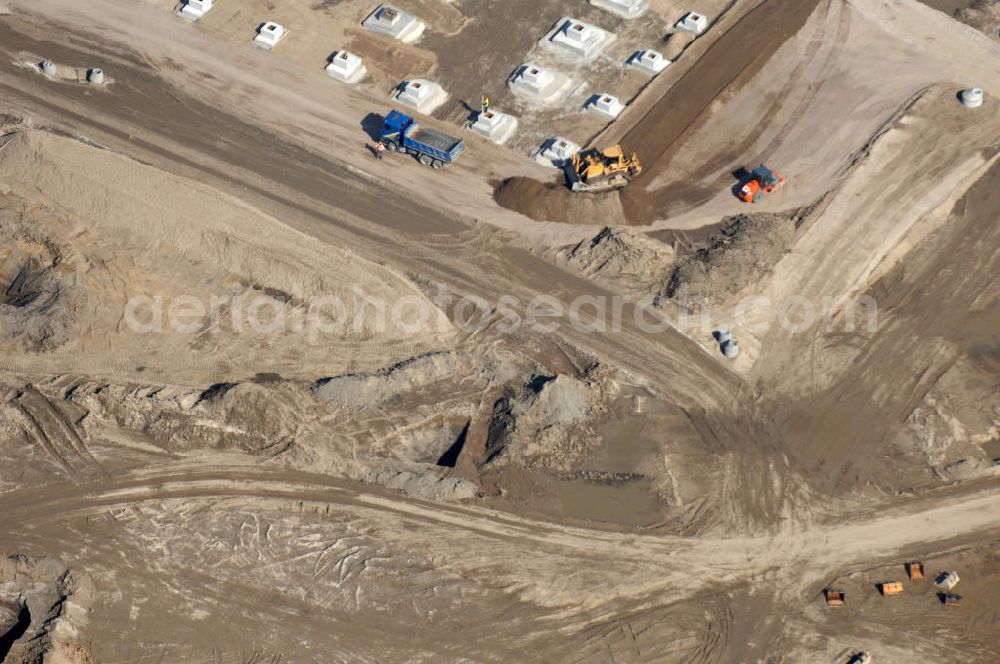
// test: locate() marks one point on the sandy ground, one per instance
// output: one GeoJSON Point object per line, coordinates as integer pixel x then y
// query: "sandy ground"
{"type": "Point", "coordinates": [469, 50]}
{"type": "Point", "coordinates": [235, 495]}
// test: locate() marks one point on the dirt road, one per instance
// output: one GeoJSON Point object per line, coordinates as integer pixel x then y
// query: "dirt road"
{"type": "Point", "coordinates": [229, 552]}
{"type": "Point", "coordinates": [793, 562]}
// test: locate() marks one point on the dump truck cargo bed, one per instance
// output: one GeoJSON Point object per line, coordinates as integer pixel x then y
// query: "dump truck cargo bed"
{"type": "Point", "coordinates": [434, 139]}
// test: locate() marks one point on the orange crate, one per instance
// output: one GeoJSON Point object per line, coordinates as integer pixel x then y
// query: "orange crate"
{"type": "Point", "coordinates": [891, 588]}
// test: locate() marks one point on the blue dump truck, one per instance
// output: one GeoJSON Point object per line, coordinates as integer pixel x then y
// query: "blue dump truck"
{"type": "Point", "coordinates": [401, 133]}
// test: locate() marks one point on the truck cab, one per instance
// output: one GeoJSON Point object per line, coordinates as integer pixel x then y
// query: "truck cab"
{"type": "Point", "coordinates": [395, 124]}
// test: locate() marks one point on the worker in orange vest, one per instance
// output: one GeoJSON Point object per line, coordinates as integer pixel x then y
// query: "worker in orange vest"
{"type": "Point", "coordinates": [379, 149]}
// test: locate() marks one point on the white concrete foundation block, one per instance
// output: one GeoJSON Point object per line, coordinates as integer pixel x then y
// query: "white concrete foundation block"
{"type": "Point", "coordinates": [539, 85]}
{"type": "Point", "coordinates": [496, 126]}
{"type": "Point", "coordinates": [536, 78]}
{"type": "Point", "coordinates": [693, 22]}
{"type": "Point", "coordinates": [346, 66]}
{"type": "Point", "coordinates": [556, 151]}
{"type": "Point", "coordinates": [576, 40]}
{"type": "Point", "coordinates": [627, 9]}
{"type": "Point", "coordinates": [649, 61]}
{"type": "Point", "coordinates": [269, 35]}
{"type": "Point", "coordinates": [396, 23]}
{"type": "Point", "coordinates": [193, 10]}
{"type": "Point", "coordinates": [425, 96]}
{"type": "Point", "coordinates": [607, 105]}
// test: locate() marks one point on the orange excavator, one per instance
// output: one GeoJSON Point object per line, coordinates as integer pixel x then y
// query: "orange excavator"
{"type": "Point", "coordinates": [762, 181]}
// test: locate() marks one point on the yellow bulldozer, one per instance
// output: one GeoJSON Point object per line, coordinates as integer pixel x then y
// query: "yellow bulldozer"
{"type": "Point", "coordinates": [593, 170]}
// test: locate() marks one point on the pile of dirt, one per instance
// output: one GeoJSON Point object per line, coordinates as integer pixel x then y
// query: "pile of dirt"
{"type": "Point", "coordinates": [460, 411]}
{"type": "Point", "coordinates": [420, 483]}
{"type": "Point", "coordinates": [547, 201]}
{"type": "Point", "coordinates": [548, 422]}
{"type": "Point", "coordinates": [628, 261]}
{"type": "Point", "coordinates": [78, 425]}
{"type": "Point", "coordinates": [8, 121]}
{"type": "Point", "coordinates": [37, 291]}
{"type": "Point", "coordinates": [43, 610]}
{"type": "Point", "coordinates": [956, 427]}
{"type": "Point", "coordinates": [359, 391]}
{"type": "Point", "coordinates": [740, 254]}
{"type": "Point", "coordinates": [983, 15]}
{"type": "Point", "coordinates": [260, 419]}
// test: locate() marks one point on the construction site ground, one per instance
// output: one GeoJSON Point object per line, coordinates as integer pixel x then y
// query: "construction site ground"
{"type": "Point", "coordinates": [241, 496]}
{"type": "Point", "coordinates": [471, 49]}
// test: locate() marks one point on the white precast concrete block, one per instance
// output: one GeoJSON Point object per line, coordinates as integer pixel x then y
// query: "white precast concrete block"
{"type": "Point", "coordinates": [627, 9]}
{"type": "Point", "coordinates": [579, 33]}
{"type": "Point", "coordinates": [649, 61]}
{"type": "Point", "coordinates": [425, 96]}
{"type": "Point", "coordinates": [346, 66]}
{"type": "Point", "coordinates": [195, 9]}
{"type": "Point", "coordinates": [607, 105]}
{"type": "Point", "coordinates": [576, 39]}
{"type": "Point", "coordinates": [693, 22]}
{"type": "Point", "coordinates": [538, 84]}
{"type": "Point", "coordinates": [269, 35]}
{"type": "Point", "coordinates": [496, 126]}
{"type": "Point", "coordinates": [556, 151]}
{"type": "Point", "coordinates": [396, 23]}
{"type": "Point", "coordinates": [536, 78]}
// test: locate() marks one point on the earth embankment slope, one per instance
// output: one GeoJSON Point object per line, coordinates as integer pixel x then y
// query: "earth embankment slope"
{"type": "Point", "coordinates": [138, 232]}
